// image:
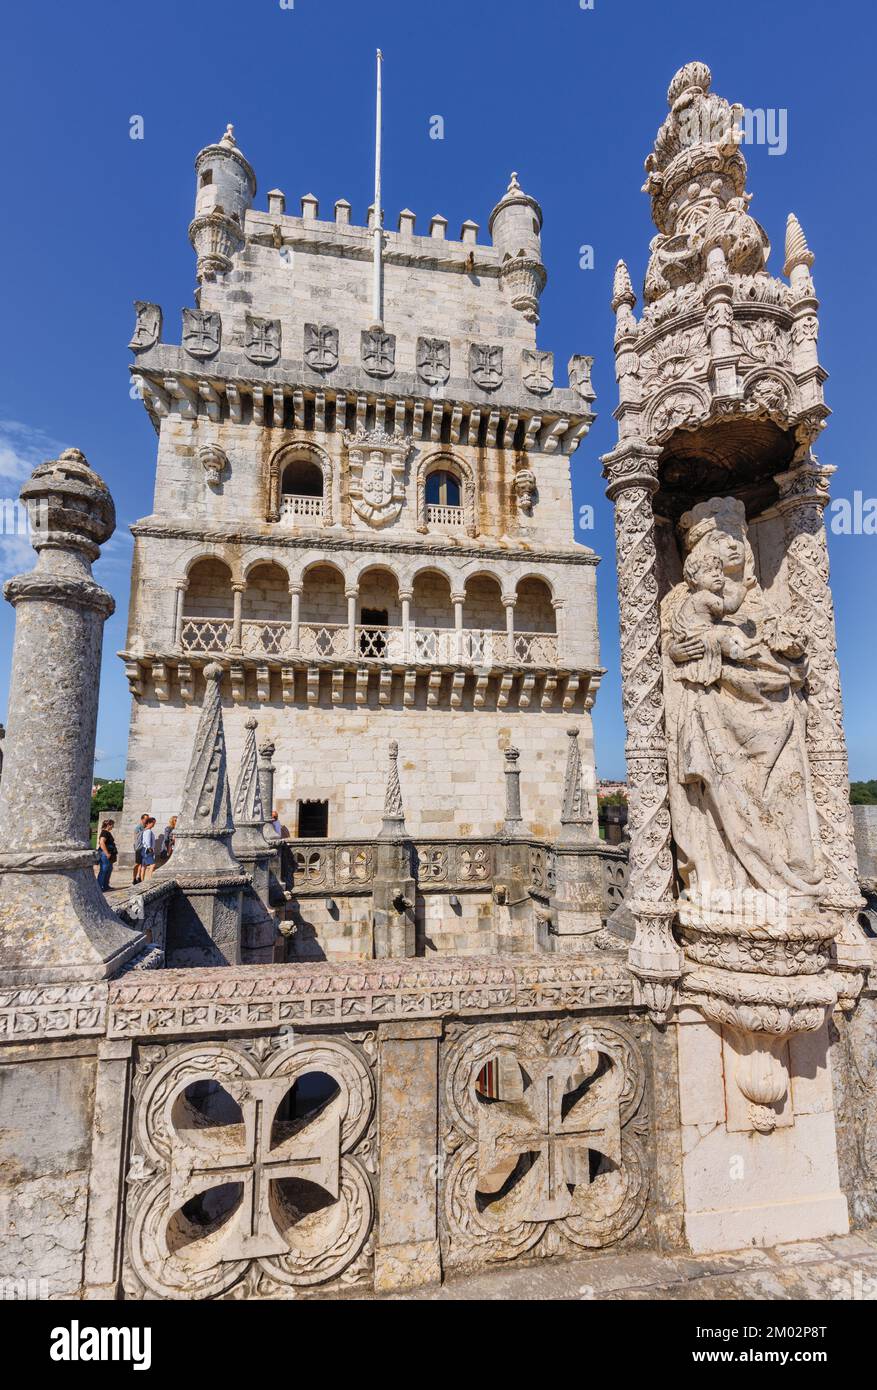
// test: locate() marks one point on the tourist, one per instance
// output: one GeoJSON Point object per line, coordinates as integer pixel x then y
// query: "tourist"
{"type": "Point", "coordinates": [275, 823]}
{"type": "Point", "coordinates": [108, 854]}
{"type": "Point", "coordinates": [170, 834]}
{"type": "Point", "coordinates": [147, 855]}
{"type": "Point", "coordinates": [138, 848]}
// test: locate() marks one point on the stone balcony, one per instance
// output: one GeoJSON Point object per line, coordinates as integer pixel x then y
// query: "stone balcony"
{"type": "Point", "coordinates": [472, 647]}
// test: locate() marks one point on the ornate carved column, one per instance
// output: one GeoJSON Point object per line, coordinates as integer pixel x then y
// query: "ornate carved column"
{"type": "Point", "coordinates": [54, 921]}
{"type": "Point", "coordinates": [655, 958]}
{"type": "Point", "coordinates": [393, 890]}
{"type": "Point", "coordinates": [804, 494]}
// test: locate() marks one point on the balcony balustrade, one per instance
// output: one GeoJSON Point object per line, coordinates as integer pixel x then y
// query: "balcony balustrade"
{"type": "Point", "coordinates": [436, 646]}
{"type": "Point", "coordinates": [444, 516]}
{"type": "Point", "coordinates": [295, 508]}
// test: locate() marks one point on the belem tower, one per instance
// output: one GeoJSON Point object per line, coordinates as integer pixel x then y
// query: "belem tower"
{"type": "Point", "coordinates": [439, 1025]}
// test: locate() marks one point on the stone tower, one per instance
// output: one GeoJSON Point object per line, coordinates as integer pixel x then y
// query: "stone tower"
{"type": "Point", "coordinates": [368, 526]}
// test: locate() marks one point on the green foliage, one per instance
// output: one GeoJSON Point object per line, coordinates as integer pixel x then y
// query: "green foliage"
{"type": "Point", "coordinates": [863, 793]}
{"type": "Point", "coordinates": [612, 799]}
{"type": "Point", "coordinates": [110, 796]}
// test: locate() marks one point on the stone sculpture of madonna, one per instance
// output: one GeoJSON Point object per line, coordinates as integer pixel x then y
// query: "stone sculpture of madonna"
{"type": "Point", "coordinates": [740, 798]}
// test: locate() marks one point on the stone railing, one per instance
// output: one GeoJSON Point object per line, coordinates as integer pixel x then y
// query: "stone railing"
{"type": "Point", "coordinates": [296, 508]}
{"type": "Point", "coordinates": [265, 638]}
{"type": "Point", "coordinates": [312, 867]}
{"type": "Point", "coordinates": [444, 516]}
{"type": "Point", "coordinates": [324, 639]}
{"type": "Point", "coordinates": [446, 646]}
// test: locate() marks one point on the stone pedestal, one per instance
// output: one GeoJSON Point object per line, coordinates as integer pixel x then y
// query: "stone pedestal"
{"type": "Point", "coordinates": [742, 1187]}
{"type": "Point", "coordinates": [407, 1252]}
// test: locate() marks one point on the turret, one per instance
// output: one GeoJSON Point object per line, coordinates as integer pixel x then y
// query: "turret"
{"type": "Point", "coordinates": [515, 226]}
{"type": "Point", "coordinates": [226, 187]}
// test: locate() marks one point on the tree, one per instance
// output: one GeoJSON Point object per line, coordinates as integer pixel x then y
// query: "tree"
{"type": "Point", "coordinates": [110, 796]}
{"type": "Point", "coordinates": [863, 793]}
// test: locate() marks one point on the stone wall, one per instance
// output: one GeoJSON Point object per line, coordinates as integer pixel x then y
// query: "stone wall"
{"type": "Point", "coordinates": [450, 763]}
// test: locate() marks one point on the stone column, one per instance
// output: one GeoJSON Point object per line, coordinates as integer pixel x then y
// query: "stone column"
{"type": "Point", "coordinates": [405, 597]}
{"type": "Point", "coordinates": [458, 600]}
{"type": "Point", "coordinates": [351, 595]}
{"type": "Point", "coordinates": [54, 921]}
{"type": "Point", "coordinates": [407, 1251]}
{"type": "Point", "coordinates": [509, 606]}
{"type": "Point", "coordinates": [266, 775]}
{"type": "Point", "coordinates": [179, 603]}
{"type": "Point", "coordinates": [655, 958]}
{"type": "Point", "coordinates": [513, 823]}
{"type": "Point", "coordinates": [295, 591]}
{"type": "Point", "coordinates": [804, 493]}
{"type": "Point", "coordinates": [238, 590]}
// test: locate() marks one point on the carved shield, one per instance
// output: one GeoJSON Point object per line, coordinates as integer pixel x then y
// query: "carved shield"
{"type": "Point", "coordinates": [377, 483]}
{"type": "Point", "coordinates": [378, 352]}
{"type": "Point", "coordinates": [147, 326]}
{"type": "Point", "coordinates": [537, 370]}
{"type": "Point", "coordinates": [485, 365]}
{"type": "Point", "coordinates": [433, 360]}
{"type": "Point", "coordinates": [580, 377]}
{"type": "Point", "coordinates": [262, 339]}
{"type": "Point", "coordinates": [202, 332]}
{"type": "Point", "coordinates": [321, 347]}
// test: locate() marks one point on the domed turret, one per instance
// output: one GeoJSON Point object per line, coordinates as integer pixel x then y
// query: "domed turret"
{"type": "Point", "coordinates": [226, 188]}
{"type": "Point", "coordinates": [515, 226]}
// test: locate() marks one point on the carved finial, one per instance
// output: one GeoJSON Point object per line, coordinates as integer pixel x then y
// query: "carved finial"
{"type": "Point", "coordinates": [622, 289]}
{"type": "Point", "coordinates": [514, 186]}
{"type": "Point", "coordinates": [205, 824]}
{"type": "Point", "coordinates": [576, 812]}
{"type": "Point", "coordinates": [228, 137]}
{"type": "Point", "coordinates": [248, 792]}
{"type": "Point", "coordinates": [797, 250]}
{"type": "Point", "coordinates": [687, 82]}
{"type": "Point", "coordinates": [394, 815]}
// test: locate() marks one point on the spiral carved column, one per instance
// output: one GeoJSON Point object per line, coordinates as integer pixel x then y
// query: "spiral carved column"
{"type": "Point", "coordinates": [804, 493]}
{"type": "Point", "coordinates": [655, 957]}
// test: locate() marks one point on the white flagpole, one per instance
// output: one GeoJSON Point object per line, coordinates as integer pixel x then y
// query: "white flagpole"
{"type": "Point", "coordinates": [378, 223]}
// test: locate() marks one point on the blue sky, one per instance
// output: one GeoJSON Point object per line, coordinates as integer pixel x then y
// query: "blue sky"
{"type": "Point", "coordinates": [569, 97]}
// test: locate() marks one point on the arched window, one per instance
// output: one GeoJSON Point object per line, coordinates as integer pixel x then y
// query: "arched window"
{"type": "Point", "coordinates": [301, 491]}
{"type": "Point", "coordinates": [443, 489]}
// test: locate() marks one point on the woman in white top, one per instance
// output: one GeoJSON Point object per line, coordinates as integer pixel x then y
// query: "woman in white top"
{"type": "Point", "coordinates": [148, 859]}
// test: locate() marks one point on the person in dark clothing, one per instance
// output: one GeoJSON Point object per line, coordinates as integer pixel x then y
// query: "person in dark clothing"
{"type": "Point", "coordinates": [108, 854]}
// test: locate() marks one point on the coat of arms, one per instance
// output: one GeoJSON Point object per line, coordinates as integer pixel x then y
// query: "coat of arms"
{"type": "Point", "coordinates": [321, 347]}
{"type": "Point", "coordinates": [378, 352]}
{"type": "Point", "coordinates": [262, 339]}
{"type": "Point", "coordinates": [433, 360]}
{"type": "Point", "coordinates": [202, 332]}
{"type": "Point", "coordinates": [537, 369]}
{"type": "Point", "coordinates": [377, 474]}
{"type": "Point", "coordinates": [147, 327]}
{"type": "Point", "coordinates": [485, 365]}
